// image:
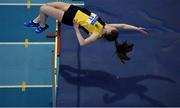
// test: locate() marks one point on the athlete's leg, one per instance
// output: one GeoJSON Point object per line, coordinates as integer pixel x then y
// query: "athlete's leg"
{"type": "Point", "coordinates": [46, 10]}
{"type": "Point", "coordinates": [59, 5]}
{"type": "Point", "coordinates": [37, 19]}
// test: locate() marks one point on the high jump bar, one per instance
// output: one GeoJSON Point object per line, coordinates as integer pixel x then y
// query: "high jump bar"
{"type": "Point", "coordinates": [27, 86]}
{"type": "Point", "coordinates": [29, 43]}
{"type": "Point", "coordinates": [34, 4]}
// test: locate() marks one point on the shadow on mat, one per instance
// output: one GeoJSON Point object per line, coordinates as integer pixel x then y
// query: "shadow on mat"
{"type": "Point", "coordinates": [120, 87]}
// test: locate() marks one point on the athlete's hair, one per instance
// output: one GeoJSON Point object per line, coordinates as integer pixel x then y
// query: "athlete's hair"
{"type": "Point", "coordinates": [113, 35]}
{"type": "Point", "coordinates": [121, 48]}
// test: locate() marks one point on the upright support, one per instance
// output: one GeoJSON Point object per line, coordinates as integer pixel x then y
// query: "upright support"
{"type": "Point", "coordinates": [54, 89]}
{"type": "Point", "coordinates": [59, 38]}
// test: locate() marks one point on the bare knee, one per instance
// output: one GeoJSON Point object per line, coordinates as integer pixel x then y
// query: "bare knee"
{"type": "Point", "coordinates": [59, 5]}
{"type": "Point", "coordinates": [43, 8]}
{"type": "Point", "coordinates": [53, 4]}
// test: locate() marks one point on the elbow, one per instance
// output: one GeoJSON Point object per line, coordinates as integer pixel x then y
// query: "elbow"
{"type": "Point", "coordinates": [82, 43]}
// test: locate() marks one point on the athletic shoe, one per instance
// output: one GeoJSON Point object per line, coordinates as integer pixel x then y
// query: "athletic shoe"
{"type": "Point", "coordinates": [41, 29]}
{"type": "Point", "coordinates": [31, 24]}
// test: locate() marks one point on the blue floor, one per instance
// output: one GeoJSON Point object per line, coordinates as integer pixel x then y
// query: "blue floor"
{"type": "Point", "coordinates": [92, 75]}
{"type": "Point", "coordinates": [14, 31]}
{"type": "Point", "coordinates": [33, 97]}
{"type": "Point", "coordinates": [18, 64]}
{"type": "Point", "coordinates": [26, 64]}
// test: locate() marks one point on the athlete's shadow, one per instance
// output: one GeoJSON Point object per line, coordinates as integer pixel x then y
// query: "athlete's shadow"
{"type": "Point", "coordinates": [120, 87]}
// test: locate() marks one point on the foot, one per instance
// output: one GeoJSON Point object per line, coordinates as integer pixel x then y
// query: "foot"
{"type": "Point", "coordinates": [31, 24]}
{"type": "Point", "coordinates": [41, 29]}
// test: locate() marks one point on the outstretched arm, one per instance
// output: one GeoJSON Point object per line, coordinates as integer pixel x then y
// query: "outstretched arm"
{"type": "Point", "coordinates": [129, 27]}
{"type": "Point", "coordinates": [124, 27]}
{"type": "Point", "coordinates": [80, 38]}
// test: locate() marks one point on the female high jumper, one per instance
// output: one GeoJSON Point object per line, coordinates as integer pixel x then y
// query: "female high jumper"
{"type": "Point", "coordinates": [88, 21]}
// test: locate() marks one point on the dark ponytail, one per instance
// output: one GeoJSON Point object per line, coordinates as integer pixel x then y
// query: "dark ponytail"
{"type": "Point", "coordinates": [122, 50]}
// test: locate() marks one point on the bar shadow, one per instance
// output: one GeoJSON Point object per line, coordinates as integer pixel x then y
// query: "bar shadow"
{"type": "Point", "coordinates": [120, 87]}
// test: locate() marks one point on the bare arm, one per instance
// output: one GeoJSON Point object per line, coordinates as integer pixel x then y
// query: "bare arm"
{"type": "Point", "coordinates": [129, 27]}
{"type": "Point", "coordinates": [82, 41]}
{"type": "Point", "coordinates": [125, 27]}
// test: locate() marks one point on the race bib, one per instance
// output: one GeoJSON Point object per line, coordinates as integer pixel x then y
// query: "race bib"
{"type": "Point", "coordinates": [92, 19]}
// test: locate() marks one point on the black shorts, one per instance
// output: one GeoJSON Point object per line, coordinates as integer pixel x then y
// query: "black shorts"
{"type": "Point", "coordinates": [70, 14]}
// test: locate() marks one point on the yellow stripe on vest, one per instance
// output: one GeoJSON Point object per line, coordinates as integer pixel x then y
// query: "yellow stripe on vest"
{"type": "Point", "coordinates": [83, 20]}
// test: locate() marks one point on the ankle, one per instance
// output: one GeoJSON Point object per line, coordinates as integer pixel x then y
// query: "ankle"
{"type": "Point", "coordinates": [42, 25]}
{"type": "Point", "coordinates": [36, 22]}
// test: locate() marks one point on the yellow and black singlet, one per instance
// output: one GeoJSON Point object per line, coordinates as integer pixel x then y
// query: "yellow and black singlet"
{"type": "Point", "coordinates": [88, 21]}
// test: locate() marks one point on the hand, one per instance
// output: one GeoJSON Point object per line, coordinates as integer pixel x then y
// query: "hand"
{"type": "Point", "coordinates": [143, 31]}
{"type": "Point", "coordinates": [75, 24]}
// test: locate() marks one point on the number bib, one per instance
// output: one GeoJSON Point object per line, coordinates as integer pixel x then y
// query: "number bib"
{"type": "Point", "coordinates": [92, 19]}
